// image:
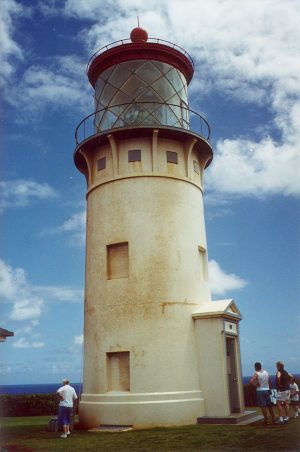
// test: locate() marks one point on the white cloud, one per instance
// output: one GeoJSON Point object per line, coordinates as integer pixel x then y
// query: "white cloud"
{"type": "Point", "coordinates": [76, 223]}
{"type": "Point", "coordinates": [50, 8]}
{"type": "Point", "coordinates": [242, 167]}
{"type": "Point", "coordinates": [78, 340]}
{"type": "Point", "coordinates": [20, 193]}
{"type": "Point", "coordinates": [29, 301]}
{"type": "Point", "coordinates": [11, 281]}
{"type": "Point", "coordinates": [9, 49]}
{"type": "Point", "coordinates": [58, 84]}
{"type": "Point", "coordinates": [118, 18]}
{"type": "Point", "coordinates": [222, 282]}
{"type": "Point", "coordinates": [22, 342]}
{"type": "Point", "coordinates": [74, 226]}
{"type": "Point", "coordinates": [25, 309]}
{"type": "Point", "coordinates": [248, 54]}
{"type": "Point", "coordinates": [59, 293]}
{"type": "Point", "coordinates": [15, 289]}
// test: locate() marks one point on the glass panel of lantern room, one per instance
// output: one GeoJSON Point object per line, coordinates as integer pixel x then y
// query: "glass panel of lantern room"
{"type": "Point", "coordinates": [146, 87]}
{"type": "Point", "coordinates": [164, 88]}
{"type": "Point", "coordinates": [174, 79]}
{"type": "Point", "coordinates": [150, 95]}
{"type": "Point", "coordinates": [104, 76]}
{"type": "Point", "coordinates": [100, 84]}
{"type": "Point", "coordinates": [163, 67]}
{"type": "Point", "coordinates": [106, 96]}
{"type": "Point", "coordinates": [119, 75]}
{"type": "Point", "coordinates": [134, 87]}
{"type": "Point", "coordinates": [108, 121]}
{"type": "Point", "coordinates": [120, 98]}
{"type": "Point", "coordinates": [149, 72]}
{"type": "Point", "coordinates": [183, 96]}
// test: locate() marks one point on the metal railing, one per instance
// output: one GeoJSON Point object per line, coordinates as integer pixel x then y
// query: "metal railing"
{"type": "Point", "coordinates": [128, 41]}
{"type": "Point", "coordinates": [148, 114]}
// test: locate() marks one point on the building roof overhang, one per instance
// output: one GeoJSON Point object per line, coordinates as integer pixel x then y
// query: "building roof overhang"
{"type": "Point", "coordinates": [140, 51]}
{"type": "Point", "coordinates": [222, 308]}
{"type": "Point", "coordinates": [4, 334]}
{"type": "Point", "coordinates": [202, 146]}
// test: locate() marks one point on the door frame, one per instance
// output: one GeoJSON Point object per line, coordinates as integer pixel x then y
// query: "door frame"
{"type": "Point", "coordinates": [232, 359]}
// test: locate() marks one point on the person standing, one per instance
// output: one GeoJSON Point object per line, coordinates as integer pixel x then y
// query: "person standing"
{"type": "Point", "coordinates": [261, 380]}
{"type": "Point", "coordinates": [67, 396]}
{"type": "Point", "coordinates": [283, 380]}
{"type": "Point", "coordinates": [294, 397]}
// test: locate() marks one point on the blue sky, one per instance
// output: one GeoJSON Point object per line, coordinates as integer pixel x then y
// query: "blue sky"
{"type": "Point", "coordinates": [246, 84]}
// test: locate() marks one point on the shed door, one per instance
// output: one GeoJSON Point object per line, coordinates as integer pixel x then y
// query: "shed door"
{"type": "Point", "coordinates": [232, 375]}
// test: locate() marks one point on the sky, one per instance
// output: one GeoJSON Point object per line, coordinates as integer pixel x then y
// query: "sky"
{"type": "Point", "coordinates": [246, 84]}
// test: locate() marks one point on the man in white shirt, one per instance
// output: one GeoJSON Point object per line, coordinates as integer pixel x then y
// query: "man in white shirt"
{"type": "Point", "coordinates": [261, 380]}
{"type": "Point", "coordinates": [67, 396]}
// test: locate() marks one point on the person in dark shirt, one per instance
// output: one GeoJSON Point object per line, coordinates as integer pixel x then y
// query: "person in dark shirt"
{"type": "Point", "coordinates": [283, 380]}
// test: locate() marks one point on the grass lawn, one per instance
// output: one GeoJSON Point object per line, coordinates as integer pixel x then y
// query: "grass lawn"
{"type": "Point", "coordinates": [30, 434]}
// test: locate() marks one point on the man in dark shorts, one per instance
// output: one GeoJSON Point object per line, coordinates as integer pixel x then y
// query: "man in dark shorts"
{"type": "Point", "coordinates": [261, 380]}
{"type": "Point", "coordinates": [67, 396]}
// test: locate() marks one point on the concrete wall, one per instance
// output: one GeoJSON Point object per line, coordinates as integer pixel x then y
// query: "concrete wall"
{"type": "Point", "coordinates": [140, 306]}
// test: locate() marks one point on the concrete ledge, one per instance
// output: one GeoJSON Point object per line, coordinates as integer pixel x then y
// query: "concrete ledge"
{"type": "Point", "coordinates": [247, 417]}
{"type": "Point", "coordinates": [141, 410]}
{"type": "Point", "coordinates": [127, 397]}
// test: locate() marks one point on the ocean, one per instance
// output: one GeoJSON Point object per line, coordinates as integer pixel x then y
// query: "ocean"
{"type": "Point", "coordinates": [36, 389]}
{"type": "Point", "coordinates": [52, 387]}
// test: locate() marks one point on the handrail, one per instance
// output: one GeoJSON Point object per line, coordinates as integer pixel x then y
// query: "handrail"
{"type": "Point", "coordinates": [82, 128]}
{"type": "Point", "coordinates": [128, 41]}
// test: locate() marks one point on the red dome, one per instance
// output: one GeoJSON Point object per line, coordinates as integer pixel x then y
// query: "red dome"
{"type": "Point", "coordinates": [138, 35]}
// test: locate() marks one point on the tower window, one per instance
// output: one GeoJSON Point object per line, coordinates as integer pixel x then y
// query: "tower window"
{"type": "Point", "coordinates": [118, 371]}
{"type": "Point", "coordinates": [101, 164]}
{"type": "Point", "coordinates": [196, 167]}
{"type": "Point", "coordinates": [134, 155]}
{"type": "Point", "coordinates": [203, 263]}
{"type": "Point", "coordinates": [117, 260]}
{"type": "Point", "coordinates": [172, 157]}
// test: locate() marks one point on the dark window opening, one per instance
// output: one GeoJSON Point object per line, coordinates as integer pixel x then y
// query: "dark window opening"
{"type": "Point", "coordinates": [196, 167]}
{"type": "Point", "coordinates": [101, 164]}
{"type": "Point", "coordinates": [172, 157]}
{"type": "Point", "coordinates": [134, 155]}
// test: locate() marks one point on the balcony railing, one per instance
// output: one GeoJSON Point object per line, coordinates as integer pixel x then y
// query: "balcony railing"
{"type": "Point", "coordinates": [128, 41]}
{"type": "Point", "coordinates": [149, 114]}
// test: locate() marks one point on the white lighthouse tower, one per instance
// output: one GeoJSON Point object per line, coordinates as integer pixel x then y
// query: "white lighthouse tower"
{"type": "Point", "coordinates": [157, 350]}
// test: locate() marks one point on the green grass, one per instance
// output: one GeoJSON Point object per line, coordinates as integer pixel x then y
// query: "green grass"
{"type": "Point", "coordinates": [30, 434]}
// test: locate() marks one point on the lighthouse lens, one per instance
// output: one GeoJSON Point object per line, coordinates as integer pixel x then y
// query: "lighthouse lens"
{"type": "Point", "coordinates": [141, 92]}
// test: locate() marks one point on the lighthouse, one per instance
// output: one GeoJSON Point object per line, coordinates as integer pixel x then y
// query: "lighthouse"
{"type": "Point", "coordinates": [157, 350]}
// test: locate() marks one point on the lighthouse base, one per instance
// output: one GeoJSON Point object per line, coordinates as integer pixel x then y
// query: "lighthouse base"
{"type": "Point", "coordinates": [141, 410]}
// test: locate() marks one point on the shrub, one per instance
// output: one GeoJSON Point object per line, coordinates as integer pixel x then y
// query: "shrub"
{"type": "Point", "coordinates": [250, 395]}
{"type": "Point", "coordinates": [29, 405]}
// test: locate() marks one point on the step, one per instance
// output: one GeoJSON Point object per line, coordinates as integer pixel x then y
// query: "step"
{"type": "Point", "coordinates": [111, 428]}
{"type": "Point", "coordinates": [247, 417]}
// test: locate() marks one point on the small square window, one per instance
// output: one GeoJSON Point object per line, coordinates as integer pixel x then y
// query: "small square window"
{"type": "Point", "coordinates": [172, 157]}
{"type": "Point", "coordinates": [117, 260]}
{"type": "Point", "coordinates": [196, 167]}
{"type": "Point", "coordinates": [101, 164]}
{"type": "Point", "coordinates": [134, 155]}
